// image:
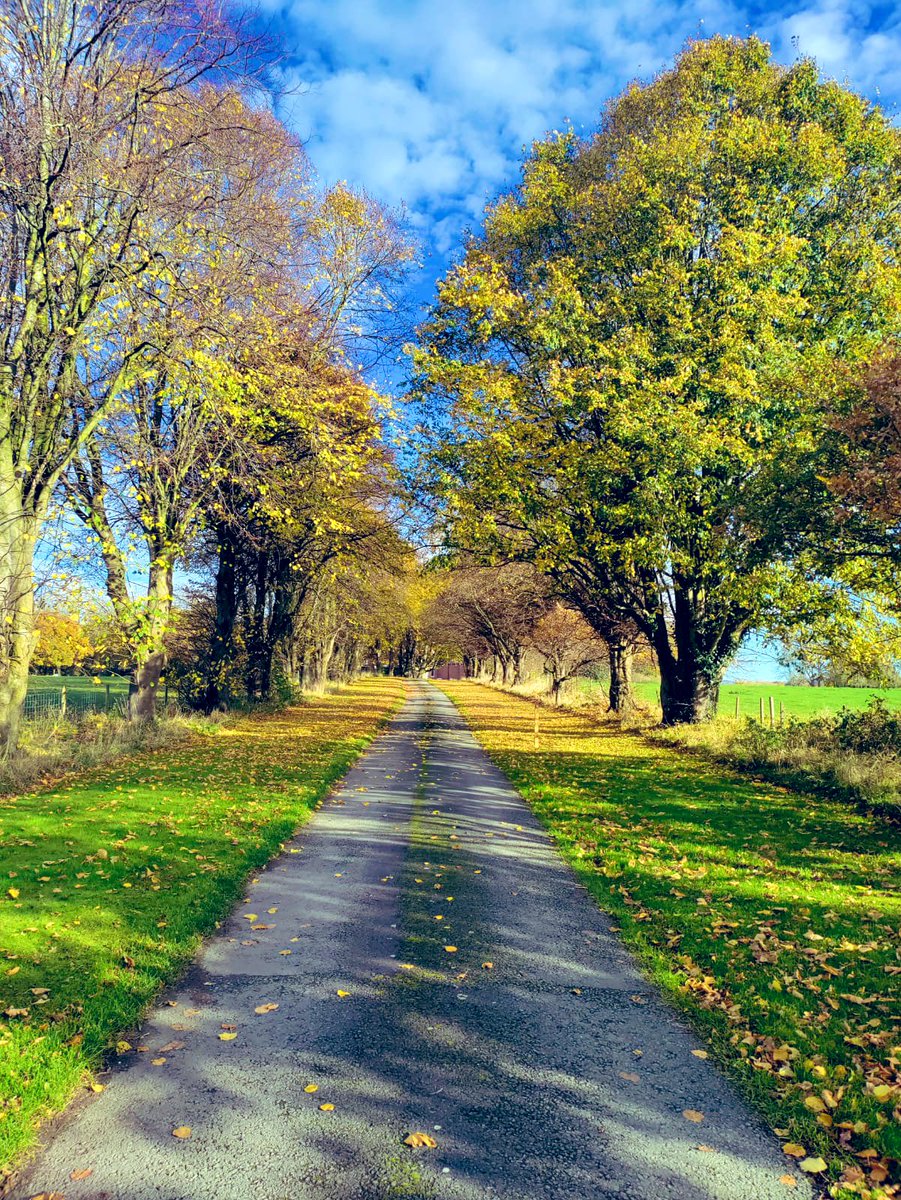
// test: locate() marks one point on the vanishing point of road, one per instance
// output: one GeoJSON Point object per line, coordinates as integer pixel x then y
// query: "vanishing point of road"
{"type": "Point", "coordinates": [424, 961]}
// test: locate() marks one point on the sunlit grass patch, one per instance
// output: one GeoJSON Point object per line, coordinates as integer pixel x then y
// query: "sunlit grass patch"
{"type": "Point", "coordinates": [109, 881]}
{"type": "Point", "coordinates": [770, 916]}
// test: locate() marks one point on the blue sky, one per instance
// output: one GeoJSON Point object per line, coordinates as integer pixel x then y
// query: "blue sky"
{"type": "Point", "coordinates": [428, 104]}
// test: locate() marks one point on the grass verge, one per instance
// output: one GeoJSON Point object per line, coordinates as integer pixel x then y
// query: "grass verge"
{"type": "Point", "coordinates": [770, 917]}
{"type": "Point", "coordinates": [111, 879]}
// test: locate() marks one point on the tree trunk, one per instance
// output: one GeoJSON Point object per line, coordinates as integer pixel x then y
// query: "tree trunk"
{"type": "Point", "coordinates": [622, 698]}
{"type": "Point", "coordinates": [688, 694]}
{"type": "Point", "coordinates": [18, 535]}
{"type": "Point", "coordinates": [151, 654]}
{"type": "Point", "coordinates": [216, 693]}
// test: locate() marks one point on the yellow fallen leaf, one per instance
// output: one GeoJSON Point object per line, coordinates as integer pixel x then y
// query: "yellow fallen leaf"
{"type": "Point", "coordinates": [271, 911]}
{"type": "Point", "coordinates": [882, 1091]}
{"type": "Point", "coordinates": [311, 1087]}
{"type": "Point", "coordinates": [327, 1107]}
{"type": "Point", "coordinates": [692, 1114]}
{"type": "Point", "coordinates": [794, 1150]}
{"type": "Point", "coordinates": [788, 1181]}
{"type": "Point", "coordinates": [706, 1149]}
{"type": "Point", "coordinates": [250, 916]}
{"type": "Point", "coordinates": [814, 1103]}
{"type": "Point", "coordinates": [420, 1140]}
{"type": "Point", "coordinates": [265, 1008]}
{"type": "Point", "coordinates": [227, 1037]}
{"type": "Point", "coordinates": [83, 1173]}
{"type": "Point", "coordinates": [122, 1047]}
{"type": "Point", "coordinates": [451, 949]}
{"type": "Point", "coordinates": [157, 1062]}
{"type": "Point", "coordinates": [13, 892]}
{"type": "Point", "coordinates": [700, 1053]}
{"type": "Point", "coordinates": [181, 1131]}
{"type": "Point", "coordinates": [97, 1087]}
{"type": "Point", "coordinates": [812, 1165]}
{"type": "Point", "coordinates": [487, 966]}
{"type": "Point", "coordinates": [341, 993]}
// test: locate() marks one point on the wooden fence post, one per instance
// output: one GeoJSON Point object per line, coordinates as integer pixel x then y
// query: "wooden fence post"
{"type": "Point", "coordinates": [106, 704]}
{"type": "Point", "coordinates": [772, 713]}
{"type": "Point", "coordinates": [761, 710]}
{"type": "Point", "coordinates": [536, 726]}
{"type": "Point", "coordinates": [737, 704]}
{"type": "Point", "coordinates": [62, 701]}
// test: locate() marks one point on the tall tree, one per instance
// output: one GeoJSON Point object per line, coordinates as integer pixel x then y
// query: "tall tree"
{"type": "Point", "coordinates": [631, 358]}
{"type": "Point", "coordinates": [91, 107]}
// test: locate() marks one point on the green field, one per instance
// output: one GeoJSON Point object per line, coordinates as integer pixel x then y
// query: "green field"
{"type": "Point", "coordinates": [796, 701]}
{"type": "Point", "coordinates": [79, 685]}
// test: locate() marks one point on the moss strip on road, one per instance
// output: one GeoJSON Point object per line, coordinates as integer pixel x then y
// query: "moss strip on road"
{"type": "Point", "coordinates": [109, 881]}
{"type": "Point", "coordinates": [770, 917]}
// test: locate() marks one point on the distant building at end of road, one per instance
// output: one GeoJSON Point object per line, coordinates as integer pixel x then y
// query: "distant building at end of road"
{"type": "Point", "coordinates": [449, 670]}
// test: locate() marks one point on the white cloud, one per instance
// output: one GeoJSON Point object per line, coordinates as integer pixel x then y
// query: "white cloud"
{"type": "Point", "coordinates": [429, 102]}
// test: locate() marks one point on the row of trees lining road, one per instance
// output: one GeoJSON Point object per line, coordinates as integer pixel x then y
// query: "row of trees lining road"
{"type": "Point", "coordinates": [182, 321]}
{"type": "Point", "coordinates": [651, 375]}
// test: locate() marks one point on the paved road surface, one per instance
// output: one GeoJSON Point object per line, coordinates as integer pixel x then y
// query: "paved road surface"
{"type": "Point", "coordinates": [514, 1069]}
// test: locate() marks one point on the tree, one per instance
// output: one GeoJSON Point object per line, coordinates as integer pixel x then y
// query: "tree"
{"type": "Point", "coordinates": [92, 102]}
{"type": "Point", "coordinates": [631, 359]}
{"type": "Point", "coordinates": [144, 476]}
{"type": "Point", "coordinates": [60, 641]}
{"type": "Point", "coordinates": [568, 646]}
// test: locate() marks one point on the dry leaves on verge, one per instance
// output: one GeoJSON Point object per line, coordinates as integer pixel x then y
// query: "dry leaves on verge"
{"type": "Point", "coordinates": [181, 1131]}
{"type": "Point", "coordinates": [420, 1140]}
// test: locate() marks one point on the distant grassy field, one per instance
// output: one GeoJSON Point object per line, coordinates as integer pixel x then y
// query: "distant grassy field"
{"type": "Point", "coordinates": [796, 701]}
{"type": "Point", "coordinates": [80, 685]}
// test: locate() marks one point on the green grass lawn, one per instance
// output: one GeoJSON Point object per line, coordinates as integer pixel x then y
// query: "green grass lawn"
{"type": "Point", "coordinates": [79, 685]}
{"type": "Point", "coordinates": [799, 702]}
{"type": "Point", "coordinates": [772, 918]}
{"type": "Point", "coordinates": [109, 880]}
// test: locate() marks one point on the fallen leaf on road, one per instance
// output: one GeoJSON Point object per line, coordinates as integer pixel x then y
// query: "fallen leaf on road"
{"type": "Point", "coordinates": [48, 1196]}
{"type": "Point", "coordinates": [82, 1174]}
{"type": "Point", "coordinates": [250, 916]}
{"type": "Point", "coordinates": [181, 1131]}
{"type": "Point", "coordinates": [706, 1149]}
{"type": "Point", "coordinates": [271, 911]}
{"type": "Point", "coordinates": [122, 1047]}
{"type": "Point", "coordinates": [341, 993]}
{"type": "Point", "coordinates": [171, 1046]}
{"type": "Point", "coordinates": [157, 1062]}
{"type": "Point", "coordinates": [265, 1008]}
{"type": "Point", "coordinates": [692, 1114]}
{"type": "Point", "coordinates": [630, 1075]}
{"type": "Point", "coordinates": [487, 966]}
{"type": "Point", "coordinates": [312, 1087]}
{"type": "Point", "coordinates": [227, 1037]}
{"type": "Point", "coordinates": [812, 1165]}
{"type": "Point", "coordinates": [788, 1181]}
{"type": "Point", "coordinates": [451, 949]}
{"type": "Point", "coordinates": [257, 928]}
{"type": "Point", "coordinates": [327, 1107]}
{"type": "Point", "coordinates": [419, 1140]}
{"type": "Point", "coordinates": [794, 1150]}
{"type": "Point", "coordinates": [96, 1087]}
{"type": "Point", "coordinates": [638, 999]}
{"type": "Point", "coordinates": [700, 1053]}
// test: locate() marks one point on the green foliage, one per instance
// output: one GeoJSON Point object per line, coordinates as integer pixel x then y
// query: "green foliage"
{"type": "Point", "coordinates": [633, 357]}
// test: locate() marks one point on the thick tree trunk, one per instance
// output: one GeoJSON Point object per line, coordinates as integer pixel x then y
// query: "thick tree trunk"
{"type": "Point", "coordinates": [18, 535]}
{"type": "Point", "coordinates": [688, 694]}
{"type": "Point", "coordinates": [621, 696]}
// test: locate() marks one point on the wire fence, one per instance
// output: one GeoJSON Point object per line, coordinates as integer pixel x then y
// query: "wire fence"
{"type": "Point", "coordinates": [43, 703]}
